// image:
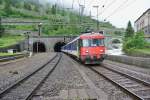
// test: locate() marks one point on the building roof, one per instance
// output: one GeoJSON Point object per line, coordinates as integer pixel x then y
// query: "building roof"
{"type": "Point", "coordinates": [142, 14]}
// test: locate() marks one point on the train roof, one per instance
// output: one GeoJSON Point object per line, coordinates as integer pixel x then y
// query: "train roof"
{"type": "Point", "coordinates": [91, 36]}
{"type": "Point", "coordinates": [87, 36]}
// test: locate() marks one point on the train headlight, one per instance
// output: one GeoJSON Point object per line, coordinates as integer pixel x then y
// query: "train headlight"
{"type": "Point", "coordinates": [86, 51]}
{"type": "Point", "coordinates": [101, 50]}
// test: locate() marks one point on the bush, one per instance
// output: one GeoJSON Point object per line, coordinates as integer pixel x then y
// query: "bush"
{"type": "Point", "coordinates": [135, 42]}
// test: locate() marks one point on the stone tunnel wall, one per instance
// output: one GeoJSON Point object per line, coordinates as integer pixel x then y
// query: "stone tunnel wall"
{"type": "Point", "coordinates": [49, 42]}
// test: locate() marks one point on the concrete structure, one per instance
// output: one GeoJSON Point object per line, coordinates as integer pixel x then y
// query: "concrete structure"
{"type": "Point", "coordinates": [143, 23]}
{"type": "Point", "coordinates": [46, 43]}
{"type": "Point", "coordinates": [53, 43]}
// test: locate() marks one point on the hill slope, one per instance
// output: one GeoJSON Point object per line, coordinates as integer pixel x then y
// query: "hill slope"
{"type": "Point", "coordinates": [60, 21]}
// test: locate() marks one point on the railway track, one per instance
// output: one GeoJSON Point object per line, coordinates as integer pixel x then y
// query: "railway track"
{"type": "Point", "coordinates": [139, 89]}
{"type": "Point", "coordinates": [25, 87]}
{"type": "Point", "coordinates": [13, 57]}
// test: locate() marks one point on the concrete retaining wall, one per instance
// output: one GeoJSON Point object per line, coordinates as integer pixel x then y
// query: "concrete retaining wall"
{"type": "Point", "coordinates": [18, 47]}
{"type": "Point", "coordinates": [137, 61]}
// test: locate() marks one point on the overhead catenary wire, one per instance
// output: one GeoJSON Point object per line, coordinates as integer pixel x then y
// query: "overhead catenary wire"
{"type": "Point", "coordinates": [105, 2]}
{"type": "Point", "coordinates": [118, 9]}
{"type": "Point", "coordinates": [109, 5]}
{"type": "Point", "coordinates": [121, 7]}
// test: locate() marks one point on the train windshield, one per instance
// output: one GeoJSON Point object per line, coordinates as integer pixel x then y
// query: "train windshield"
{"type": "Point", "coordinates": [92, 42]}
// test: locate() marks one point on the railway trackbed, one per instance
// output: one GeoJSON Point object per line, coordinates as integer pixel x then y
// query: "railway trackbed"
{"type": "Point", "coordinates": [24, 88]}
{"type": "Point", "coordinates": [139, 89]}
{"type": "Point", "coordinates": [8, 58]}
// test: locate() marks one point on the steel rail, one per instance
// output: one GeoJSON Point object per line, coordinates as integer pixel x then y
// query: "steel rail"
{"type": "Point", "coordinates": [129, 76]}
{"type": "Point", "coordinates": [116, 83]}
{"type": "Point", "coordinates": [2, 93]}
{"type": "Point", "coordinates": [112, 81]}
{"type": "Point", "coordinates": [39, 85]}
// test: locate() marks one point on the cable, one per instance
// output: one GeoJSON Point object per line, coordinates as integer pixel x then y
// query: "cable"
{"type": "Point", "coordinates": [105, 2]}
{"type": "Point", "coordinates": [119, 8]}
{"type": "Point", "coordinates": [109, 5]}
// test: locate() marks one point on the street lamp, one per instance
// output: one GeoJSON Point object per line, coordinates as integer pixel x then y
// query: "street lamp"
{"type": "Point", "coordinates": [39, 26]}
{"type": "Point", "coordinates": [39, 34]}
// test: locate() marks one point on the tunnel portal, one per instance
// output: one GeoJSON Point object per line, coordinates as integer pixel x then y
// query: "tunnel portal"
{"type": "Point", "coordinates": [39, 47]}
{"type": "Point", "coordinates": [58, 45]}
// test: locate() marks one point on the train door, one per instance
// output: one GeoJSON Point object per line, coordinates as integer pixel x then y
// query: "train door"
{"type": "Point", "coordinates": [79, 47]}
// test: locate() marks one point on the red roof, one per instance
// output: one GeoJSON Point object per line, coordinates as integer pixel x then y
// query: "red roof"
{"type": "Point", "coordinates": [92, 36]}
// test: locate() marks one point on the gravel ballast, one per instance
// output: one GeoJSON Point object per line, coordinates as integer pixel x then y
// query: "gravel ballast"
{"type": "Point", "coordinates": [14, 71]}
{"type": "Point", "coordinates": [64, 77]}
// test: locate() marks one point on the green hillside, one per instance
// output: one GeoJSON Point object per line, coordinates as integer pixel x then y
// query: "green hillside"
{"type": "Point", "coordinates": [59, 21]}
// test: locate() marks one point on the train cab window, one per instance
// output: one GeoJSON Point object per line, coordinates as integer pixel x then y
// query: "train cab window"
{"type": "Point", "coordinates": [97, 42]}
{"type": "Point", "coordinates": [86, 42]}
{"type": "Point", "coordinates": [92, 42]}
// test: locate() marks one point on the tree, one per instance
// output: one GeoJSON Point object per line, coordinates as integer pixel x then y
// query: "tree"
{"type": "Point", "coordinates": [7, 7]}
{"type": "Point", "coordinates": [1, 28]}
{"type": "Point", "coordinates": [27, 6]}
{"type": "Point", "coordinates": [54, 9]}
{"type": "Point", "coordinates": [129, 31]}
{"type": "Point", "coordinates": [1, 1]}
{"type": "Point", "coordinates": [36, 8]}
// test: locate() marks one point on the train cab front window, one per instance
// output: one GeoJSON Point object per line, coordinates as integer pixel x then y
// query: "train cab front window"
{"type": "Point", "coordinates": [86, 43]}
{"type": "Point", "coordinates": [92, 42]}
{"type": "Point", "coordinates": [97, 42]}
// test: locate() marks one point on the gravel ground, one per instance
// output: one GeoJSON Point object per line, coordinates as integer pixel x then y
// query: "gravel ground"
{"type": "Point", "coordinates": [64, 77]}
{"type": "Point", "coordinates": [114, 92]}
{"type": "Point", "coordinates": [141, 73]}
{"type": "Point", "coordinates": [24, 89]}
{"type": "Point", "coordinates": [13, 71]}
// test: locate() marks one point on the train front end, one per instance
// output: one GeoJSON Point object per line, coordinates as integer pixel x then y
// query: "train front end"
{"type": "Point", "coordinates": [92, 48]}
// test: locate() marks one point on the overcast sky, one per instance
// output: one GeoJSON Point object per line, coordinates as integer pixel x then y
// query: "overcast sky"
{"type": "Point", "coordinates": [118, 12]}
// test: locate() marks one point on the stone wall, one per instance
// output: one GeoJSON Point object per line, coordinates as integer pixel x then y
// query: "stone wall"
{"type": "Point", "coordinates": [137, 61]}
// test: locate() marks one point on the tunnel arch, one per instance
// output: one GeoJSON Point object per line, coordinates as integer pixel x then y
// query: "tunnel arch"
{"type": "Point", "coordinates": [58, 45]}
{"type": "Point", "coordinates": [39, 47]}
{"type": "Point", "coordinates": [115, 41]}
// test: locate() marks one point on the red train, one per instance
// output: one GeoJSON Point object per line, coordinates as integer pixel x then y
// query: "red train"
{"type": "Point", "coordinates": [88, 47]}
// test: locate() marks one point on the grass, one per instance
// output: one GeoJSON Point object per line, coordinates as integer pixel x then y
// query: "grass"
{"type": "Point", "coordinates": [6, 41]}
{"type": "Point", "coordinates": [7, 54]}
{"type": "Point", "coordinates": [145, 50]}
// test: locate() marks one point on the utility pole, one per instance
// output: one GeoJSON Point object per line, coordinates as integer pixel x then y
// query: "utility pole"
{"type": "Point", "coordinates": [39, 34]}
{"type": "Point", "coordinates": [72, 4]}
{"type": "Point", "coordinates": [27, 34]}
{"type": "Point", "coordinates": [81, 10]}
{"type": "Point", "coordinates": [97, 16]}
{"type": "Point", "coordinates": [149, 23]}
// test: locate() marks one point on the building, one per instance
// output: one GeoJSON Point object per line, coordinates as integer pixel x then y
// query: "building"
{"type": "Point", "coordinates": [143, 23]}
